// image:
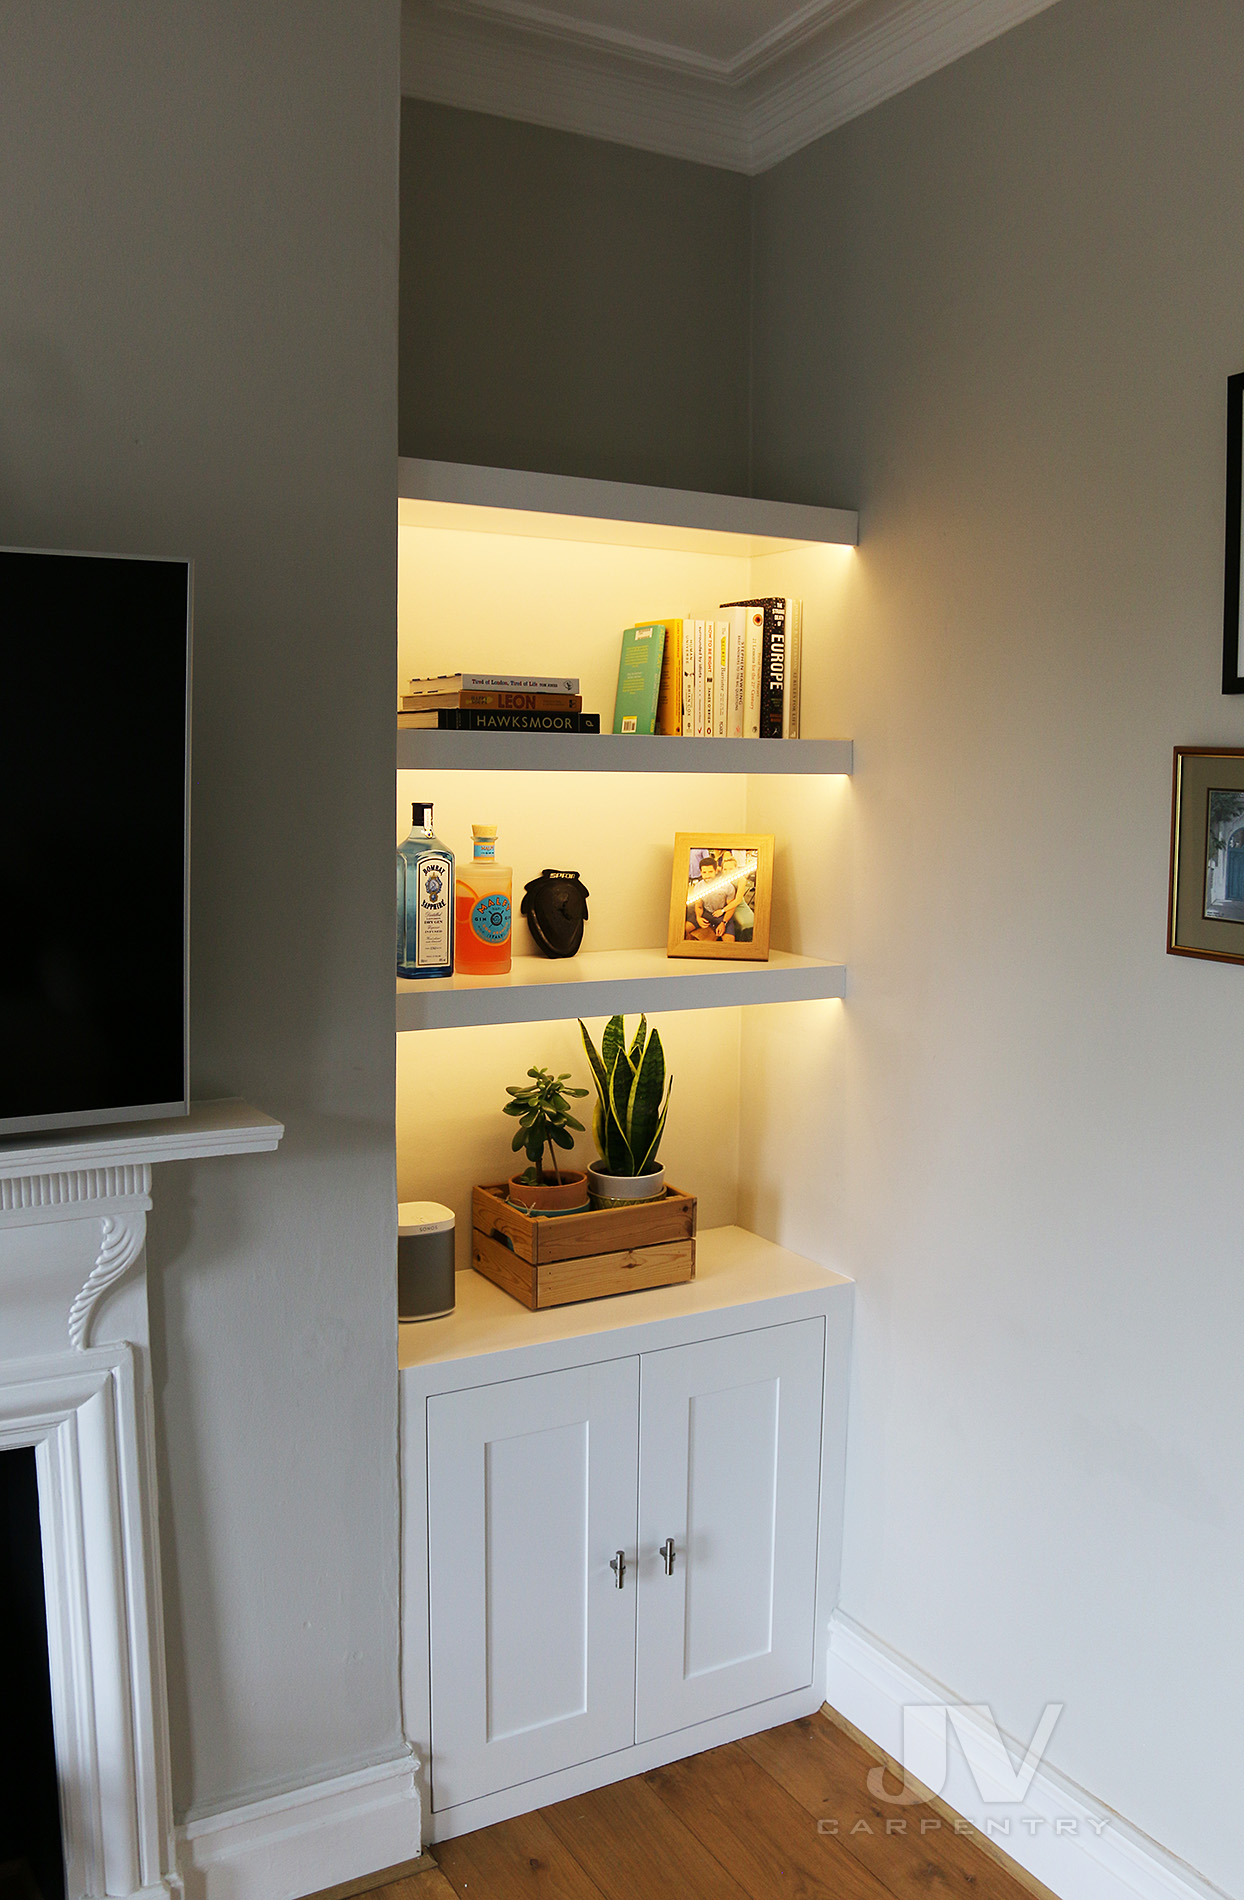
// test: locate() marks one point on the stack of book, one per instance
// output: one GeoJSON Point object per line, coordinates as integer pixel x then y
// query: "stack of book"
{"type": "Point", "coordinates": [495, 702]}
{"type": "Point", "coordinates": [734, 678]}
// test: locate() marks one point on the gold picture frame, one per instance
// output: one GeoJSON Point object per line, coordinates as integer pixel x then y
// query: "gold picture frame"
{"type": "Point", "coordinates": [1205, 917]}
{"type": "Point", "coordinates": [721, 895]}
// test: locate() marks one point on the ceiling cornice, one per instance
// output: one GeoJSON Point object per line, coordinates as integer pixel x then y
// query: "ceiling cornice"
{"type": "Point", "coordinates": [828, 62]}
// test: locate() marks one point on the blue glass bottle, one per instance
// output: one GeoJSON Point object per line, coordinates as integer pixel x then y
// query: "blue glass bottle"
{"type": "Point", "coordinates": [425, 901]}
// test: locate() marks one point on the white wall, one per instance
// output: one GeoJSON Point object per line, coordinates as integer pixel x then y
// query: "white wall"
{"type": "Point", "coordinates": [999, 312]}
{"type": "Point", "coordinates": [198, 226]}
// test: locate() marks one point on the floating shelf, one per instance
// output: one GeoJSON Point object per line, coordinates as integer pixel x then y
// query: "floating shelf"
{"type": "Point", "coordinates": [575, 508]}
{"type": "Point", "coordinates": [229, 1127]}
{"type": "Point", "coordinates": [611, 982]}
{"type": "Point", "coordinates": [427, 750]}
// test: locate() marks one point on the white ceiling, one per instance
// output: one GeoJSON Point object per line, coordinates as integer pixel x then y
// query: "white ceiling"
{"type": "Point", "coordinates": [737, 83]}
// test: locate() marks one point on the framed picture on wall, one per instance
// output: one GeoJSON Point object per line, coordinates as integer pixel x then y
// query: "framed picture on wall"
{"type": "Point", "coordinates": [721, 895]}
{"type": "Point", "coordinates": [1233, 569]}
{"type": "Point", "coordinates": [1206, 917]}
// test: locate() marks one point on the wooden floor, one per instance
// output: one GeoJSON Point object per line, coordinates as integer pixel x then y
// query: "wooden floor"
{"type": "Point", "coordinates": [736, 1823]}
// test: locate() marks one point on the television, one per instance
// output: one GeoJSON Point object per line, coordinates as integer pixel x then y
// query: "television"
{"type": "Point", "coordinates": [95, 804]}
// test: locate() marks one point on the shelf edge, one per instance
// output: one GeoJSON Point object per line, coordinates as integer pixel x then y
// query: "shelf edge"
{"type": "Point", "coordinates": [605, 996]}
{"type": "Point", "coordinates": [528, 491]}
{"type": "Point", "coordinates": [431, 750]}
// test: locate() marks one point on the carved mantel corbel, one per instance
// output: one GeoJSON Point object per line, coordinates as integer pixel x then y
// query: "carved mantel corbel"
{"type": "Point", "coordinates": [119, 1198]}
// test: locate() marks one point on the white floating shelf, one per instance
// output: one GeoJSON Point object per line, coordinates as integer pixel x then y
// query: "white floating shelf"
{"type": "Point", "coordinates": [228, 1127]}
{"type": "Point", "coordinates": [425, 750]}
{"type": "Point", "coordinates": [576, 508]}
{"type": "Point", "coordinates": [611, 982]}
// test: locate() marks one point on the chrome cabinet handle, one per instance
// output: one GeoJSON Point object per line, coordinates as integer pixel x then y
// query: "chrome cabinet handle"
{"type": "Point", "coordinates": [666, 1552]}
{"type": "Point", "coordinates": [618, 1566]}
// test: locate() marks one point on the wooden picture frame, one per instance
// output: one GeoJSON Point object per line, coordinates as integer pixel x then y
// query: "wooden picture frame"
{"type": "Point", "coordinates": [1233, 569]}
{"type": "Point", "coordinates": [1205, 917]}
{"type": "Point", "coordinates": [708, 912]}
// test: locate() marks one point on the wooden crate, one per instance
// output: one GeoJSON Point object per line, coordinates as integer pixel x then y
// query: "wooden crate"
{"type": "Point", "coordinates": [552, 1261]}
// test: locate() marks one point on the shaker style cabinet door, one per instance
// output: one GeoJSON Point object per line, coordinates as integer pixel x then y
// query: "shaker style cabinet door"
{"type": "Point", "coordinates": [531, 1493]}
{"type": "Point", "coordinates": [729, 1490]}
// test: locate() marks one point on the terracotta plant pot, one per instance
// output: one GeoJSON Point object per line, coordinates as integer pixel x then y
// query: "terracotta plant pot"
{"type": "Point", "coordinates": [623, 1190]}
{"type": "Point", "coordinates": [565, 1195]}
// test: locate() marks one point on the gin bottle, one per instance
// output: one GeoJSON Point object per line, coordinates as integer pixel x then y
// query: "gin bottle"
{"type": "Point", "coordinates": [425, 901]}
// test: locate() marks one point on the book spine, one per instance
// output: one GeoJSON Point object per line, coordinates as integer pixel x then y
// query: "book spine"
{"type": "Point", "coordinates": [515, 683]}
{"type": "Point", "coordinates": [721, 678]}
{"type": "Point", "coordinates": [754, 635]}
{"type": "Point", "coordinates": [669, 695]}
{"type": "Point", "coordinates": [493, 702]}
{"type": "Point", "coordinates": [491, 683]}
{"type": "Point", "coordinates": [479, 719]}
{"type": "Point", "coordinates": [688, 676]}
{"type": "Point", "coordinates": [710, 676]}
{"type": "Point", "coordinates": [794, 669]}
{"type": "Point", "coordinates": [699, 679]}
{"type": "Point", "coordinates": [522, 702]}
{"type": "Point", "coordinates": [738, 671]}
{"type": "Point", "coordinates": [773, 681]}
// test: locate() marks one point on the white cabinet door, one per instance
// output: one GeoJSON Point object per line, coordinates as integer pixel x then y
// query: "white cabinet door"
{"type": "Point", "coordinates": [729, 1470]}
{"type": "Point", "coordinates": [531, 1492]}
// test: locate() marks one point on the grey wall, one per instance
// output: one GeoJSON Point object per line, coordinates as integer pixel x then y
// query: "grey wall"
{"type": "Point", "coordinates": [198, 222]}
{"type": "Point", "coordinates": [1000, 311]}
{"type": "Point", "coordinates": [571, 305]}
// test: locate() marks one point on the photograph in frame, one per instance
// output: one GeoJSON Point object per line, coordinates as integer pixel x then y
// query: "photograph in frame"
{"type": "Point", "coordinates": [1206, 909]}
{"type": "Point", "coordinates": [721, 895]}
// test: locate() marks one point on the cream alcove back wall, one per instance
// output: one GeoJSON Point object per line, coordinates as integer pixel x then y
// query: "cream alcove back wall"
{"type": "Point", "coordinates": [198, 220]}
{"type": "Point", "coordinates": [999, 312]}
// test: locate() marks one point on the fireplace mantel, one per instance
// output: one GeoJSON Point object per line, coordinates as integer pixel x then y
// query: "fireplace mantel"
{"type": "Point", "coordinates": [211, 1128]}
{"type": "Point", "coordinates": [73, 1214]}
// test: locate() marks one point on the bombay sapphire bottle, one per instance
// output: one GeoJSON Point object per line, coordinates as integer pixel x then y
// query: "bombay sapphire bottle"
{"type": "Point", "coordinates": [425, 901]}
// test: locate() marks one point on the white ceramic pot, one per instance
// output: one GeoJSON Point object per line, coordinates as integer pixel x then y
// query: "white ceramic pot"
{"type": "Point", "coordinates": [623, 1190]}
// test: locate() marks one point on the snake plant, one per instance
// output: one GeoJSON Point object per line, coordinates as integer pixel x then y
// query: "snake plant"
{"type": "Point", "coordinates": [629, 1119]}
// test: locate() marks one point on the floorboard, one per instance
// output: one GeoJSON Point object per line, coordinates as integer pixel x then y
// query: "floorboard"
{"type": "Point", "coordinates": [734, 1823]}
{"type": "Point", "coordinates": [911, 1849]}
{"type": "Point", "coordinates": [431, 1884]}
{"type": "Point", "coordinates": [759, 1832]}
{"type": "Point", "coordinates": [632, 1847]}
{"type": "Point", "coordinates": [520, 1857]}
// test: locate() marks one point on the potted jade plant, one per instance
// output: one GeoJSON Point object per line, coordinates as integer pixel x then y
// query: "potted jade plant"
{"type": "Point", "coordinates": [545, 1122]}
{"type": "Point", "coordinates": [630, 1114]}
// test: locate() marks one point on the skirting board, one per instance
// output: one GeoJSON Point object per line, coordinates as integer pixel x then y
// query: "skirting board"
{"type": "Point", "coordinates": [1059, 1834]}
{"type": "Point", "coordinates": [323, 1835]}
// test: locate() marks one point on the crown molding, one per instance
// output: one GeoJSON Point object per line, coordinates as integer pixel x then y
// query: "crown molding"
{"type": "Point", "coordinates": [827, 63]}
{"type": "Point", "coordinates": [793, 31]}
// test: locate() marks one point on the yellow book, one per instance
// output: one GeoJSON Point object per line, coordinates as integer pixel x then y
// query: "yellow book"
{"type": "Point", "coordinates": [669, 692]}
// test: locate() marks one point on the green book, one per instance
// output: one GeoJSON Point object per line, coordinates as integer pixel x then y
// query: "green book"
{"type": "Point", "coordinates": [639, 678]}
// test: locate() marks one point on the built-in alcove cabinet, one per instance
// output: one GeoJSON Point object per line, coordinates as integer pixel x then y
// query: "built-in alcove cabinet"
{"type": "Point", "coordinates": [620, 1518]}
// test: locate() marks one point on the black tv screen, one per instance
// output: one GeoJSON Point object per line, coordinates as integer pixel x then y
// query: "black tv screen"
{"type": "Point", "coordinates": [94, 789]}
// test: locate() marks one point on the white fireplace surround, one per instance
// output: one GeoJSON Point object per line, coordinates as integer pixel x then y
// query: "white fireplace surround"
{"type": "Point", "coordinates": [73, 1211]}
{"type": "Point", "coordinates": [84, 1413]}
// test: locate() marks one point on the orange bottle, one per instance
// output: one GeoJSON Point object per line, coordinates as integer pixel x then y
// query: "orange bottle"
{"type": "Point", "coordinates": [482, 936]}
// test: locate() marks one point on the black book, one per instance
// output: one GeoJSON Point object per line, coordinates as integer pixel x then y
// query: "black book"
{"type": "Point", "coordinates": [480, 719]}
{"type": "Point", "coordinates": [772, 663]}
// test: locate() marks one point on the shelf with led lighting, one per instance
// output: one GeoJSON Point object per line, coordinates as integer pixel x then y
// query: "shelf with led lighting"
{"type": "Point", "coordinates": [611, 982]}
{"type": "Point", "coordinates": [620, 514]}
{"type": "Point", "coordinates": [424, 750]}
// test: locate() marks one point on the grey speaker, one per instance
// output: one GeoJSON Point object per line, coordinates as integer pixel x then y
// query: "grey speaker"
{"type": "Point", "coordinates": [425, 1260]}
